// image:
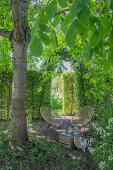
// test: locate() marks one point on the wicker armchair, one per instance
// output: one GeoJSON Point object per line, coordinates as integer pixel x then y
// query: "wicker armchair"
{"type": "Point", "coordinates": [80, 119]}
{"type": "Point", "coordinates": [50, 116]}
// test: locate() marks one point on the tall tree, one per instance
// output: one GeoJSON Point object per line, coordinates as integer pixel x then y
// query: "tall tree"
{"type": "Point", "coordinates": [19, 36]}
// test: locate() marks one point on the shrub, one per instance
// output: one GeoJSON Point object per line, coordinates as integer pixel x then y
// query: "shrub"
{"type": "Point", "coordinates": [103, 142]}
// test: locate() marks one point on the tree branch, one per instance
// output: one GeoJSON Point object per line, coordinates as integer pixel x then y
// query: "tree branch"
{"type": "Point", "coordinates": [5, 33]}
{"type": "Point", "coordinates": [62, 11]}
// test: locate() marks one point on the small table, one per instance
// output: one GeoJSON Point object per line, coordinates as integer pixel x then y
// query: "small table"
{"type": "Point", "coordinates": [66, 139]}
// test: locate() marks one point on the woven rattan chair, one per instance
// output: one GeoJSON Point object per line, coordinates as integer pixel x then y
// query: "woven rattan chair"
{"type": "Point", "coordinates": [80, 119]}
{"type": "Point", "coordinates": [83, 116]}
{"type": "Point", "coordinates": [50, 116]}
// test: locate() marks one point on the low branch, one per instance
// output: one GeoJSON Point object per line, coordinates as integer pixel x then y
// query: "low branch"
{"type": "Point", "coordinates": [62, 11]}
{"type": "Point", "coordinates": [5, 33]}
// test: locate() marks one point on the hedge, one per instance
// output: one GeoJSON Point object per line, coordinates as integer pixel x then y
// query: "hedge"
{"type": "Point", "coordinates": [70, 104]}
{"type": "Point", "coordinates": [37, 94]}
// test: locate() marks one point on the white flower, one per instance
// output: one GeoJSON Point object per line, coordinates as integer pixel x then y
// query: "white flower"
{"type": "Point", "coordinates": [108, 134]}
{"type": "Point", "coordinates": [102, 165]}
{"type": "Point", "coordinates": [110, 120]}
{"type": "Point", "coordinates": [99, 129]}
{"type": "Point", "coordinates": [91, 150]}
{"type": "Point", "coordinates": [110, 158]}
{"type": "Point", "coordinates": [109, 127]}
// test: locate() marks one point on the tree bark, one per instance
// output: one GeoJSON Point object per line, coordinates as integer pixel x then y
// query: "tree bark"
{"type": "Point", "coordinates": [20, 39]}
{"type": "Point", "coordinates": [18, 115]}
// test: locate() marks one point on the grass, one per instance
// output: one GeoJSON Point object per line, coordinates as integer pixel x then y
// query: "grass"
{"type": "Point", "coordinates": [40, 154]}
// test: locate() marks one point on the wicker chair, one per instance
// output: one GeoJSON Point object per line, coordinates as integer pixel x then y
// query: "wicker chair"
{"type": "Point", "coordinates": [80, 119]}
{"type": "Point", "coordinates": [83, 116]}
{"type": "Point", "coordinates": [50, 116]}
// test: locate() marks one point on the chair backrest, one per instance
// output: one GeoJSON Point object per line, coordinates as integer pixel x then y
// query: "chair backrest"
{"type": "Point", "coordinates": [83, 116]}
{"type": "Point", "coordinates": [50, 116]}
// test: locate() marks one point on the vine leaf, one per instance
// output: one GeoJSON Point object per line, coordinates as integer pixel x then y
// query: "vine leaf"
{"type": "Point", "coordinates": [36, 47]}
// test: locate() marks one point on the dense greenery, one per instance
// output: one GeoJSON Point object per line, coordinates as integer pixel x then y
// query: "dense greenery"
{"type": "Point", "coordinates": [79, 31]}
{"type": "Point", "coordinates": [37, 94]}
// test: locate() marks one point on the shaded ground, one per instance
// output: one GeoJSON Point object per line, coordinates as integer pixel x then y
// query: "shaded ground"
{"type": "Point", "coordinates": [41, 128]}
{"type": "Point", "coordinates": [86, 160]}
{"type": "Point", "coordinates": [37, 155]}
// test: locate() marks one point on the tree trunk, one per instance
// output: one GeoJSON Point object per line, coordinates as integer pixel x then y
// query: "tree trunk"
{"type": "Point", "coordinates": [20, 40]}
{"type": "Point", "coordinates": [18, 119]}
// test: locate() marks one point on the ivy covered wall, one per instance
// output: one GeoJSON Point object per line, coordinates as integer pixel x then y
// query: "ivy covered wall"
{"type": "Point", "coordinates": [70, 104]}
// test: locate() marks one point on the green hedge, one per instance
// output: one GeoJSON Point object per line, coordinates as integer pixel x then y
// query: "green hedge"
{"type": "Point", "coordinates": [37, 94]}
{"type": "Point", "coordinates": [70, 105]}
{"type": "Point", "coordinates": [5, 94]}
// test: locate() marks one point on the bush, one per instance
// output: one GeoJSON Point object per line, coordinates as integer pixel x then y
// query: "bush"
{"type": "Point", "coordinates": [104, 138]}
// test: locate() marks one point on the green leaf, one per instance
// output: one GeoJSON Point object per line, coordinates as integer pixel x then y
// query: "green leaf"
{"type": "Point", "coordinates": [76, 8]}
{"type": "Point", "coordinates": [111, 56]}
{"type": "Point", "coordinates": [36, 47]}
{"type": "Point", "coordinates": [63, 27]}
{"type": "Point", "coordinates": [88, 54]}
{"type": "Point", "coordinates": [108, 2]}
{"type": "Point", "coordinates": [68, 19]}
{"type": "Point", "coordinates": [56, 20]}
{"type": "Point", "coordinates": [62, 3]}
{"type": "Point", "coordinates": [107, 65]}
{"type": "Point", "coordinates": [54, 38]}
{"type": "Point", "coordinates": [43, 19]}
{"type": "Point", "coordinates": [71, 35]}
{"type": "Point", "coordinates": [95, 38]}
{"type": "Point", "coordinates": [43, 27]}
{"type": "Point", "coordinates": [81, 27]}
{"type": "Point", "coordinates": [44, 38]}
{"type": "Point", "coordinates": [111, 38]}
{"type": "Point", "coordinates": [83, 15]}
{"type": "Point", "coordinates": [51, 9]}
{"type": "Point", "coordinates": [107, 23]}
{"type": "Point", "coordinates": [111, 5]}
{"type": "Point", "coordinates": [34, 32]}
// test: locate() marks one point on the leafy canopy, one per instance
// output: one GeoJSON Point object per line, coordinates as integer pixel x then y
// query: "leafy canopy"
{"type": "Point", "coordinates": [78, 18]}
